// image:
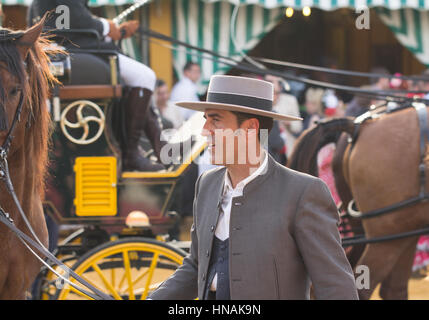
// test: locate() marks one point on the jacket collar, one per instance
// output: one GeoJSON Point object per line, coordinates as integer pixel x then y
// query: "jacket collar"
{"type": "Point", "coordinates": [267, 172]}
{"type": "Point", "coordinates": [260, 179]}
{"type": "Point", "coordinates": [255, 173]}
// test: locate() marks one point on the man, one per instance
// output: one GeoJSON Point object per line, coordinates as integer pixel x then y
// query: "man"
{"type": "Point", "coordinates": [186, 89]}
{"type": "Point", "coordinates": [261, 230]}
{"type": "Point", "coordinates": [169, 111]}
{"type": "Point", "coordinates": [140, 115]}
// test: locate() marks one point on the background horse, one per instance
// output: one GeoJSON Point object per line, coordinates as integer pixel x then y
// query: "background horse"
{"type": "Point", "coordinates": [24, 70]}
{"type": "Point", "coordinates": [380, 170]}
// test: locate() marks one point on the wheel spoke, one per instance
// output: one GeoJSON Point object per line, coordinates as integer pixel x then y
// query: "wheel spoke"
{"type": "Point", "coordinates": [140, 277]}
{"type": "Point", "coordinates": [128, 274]}
{"type": "Point", "coordinates": [149, 277]}
{"type": "Point", "coordinates": [112, 276]}
{"type": "Point", "coordinates": [121, 283]}
{"type": "Point", "coordinates": [106, 283]}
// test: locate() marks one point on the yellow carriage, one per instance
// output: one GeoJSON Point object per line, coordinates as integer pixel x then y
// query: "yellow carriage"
{"type": "Point", "coordinates": [120, 220]}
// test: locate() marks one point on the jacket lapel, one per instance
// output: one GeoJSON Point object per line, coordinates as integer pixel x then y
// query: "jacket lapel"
{"type": "Point", "coordinates": [217, 198]}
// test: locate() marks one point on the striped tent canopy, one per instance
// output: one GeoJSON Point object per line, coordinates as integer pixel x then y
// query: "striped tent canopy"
{"type": "Point", "coordinates": [269, 4]}
{"type": "Point", "coordinates": [334, 4]}
{"type": "Point", "coordinates": [207, 24]}
{"type": "Point", "coordinates": [91, 2]}
{"type": "Point", "coordinates": [411, 28]}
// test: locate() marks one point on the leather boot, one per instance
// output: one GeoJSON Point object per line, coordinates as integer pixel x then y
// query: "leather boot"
{"type": "Point", "coordinates": [153, 129]}
{"type": "Point", "coordinates": [138, 116]}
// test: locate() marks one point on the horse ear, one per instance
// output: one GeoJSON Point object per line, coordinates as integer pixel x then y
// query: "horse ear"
{"type": "Point", "coordinates": [29, 37]}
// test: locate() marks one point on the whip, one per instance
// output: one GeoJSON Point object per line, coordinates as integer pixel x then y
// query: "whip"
{"type": "Point", "coordinates": [130, 10]}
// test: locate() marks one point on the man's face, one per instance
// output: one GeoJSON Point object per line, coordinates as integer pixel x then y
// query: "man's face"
{"type": "Point", "coordinates": [230, 143]}
{"type": "Point", "coordinates": [162, 95]}
{"type": "Point", "coordinates": [193, 73]}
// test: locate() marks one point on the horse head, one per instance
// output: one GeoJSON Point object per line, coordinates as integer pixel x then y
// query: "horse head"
{"type": "Point", "coordinates": [14, 50]}
{"type": "Point", "coordinates": [24, 84]}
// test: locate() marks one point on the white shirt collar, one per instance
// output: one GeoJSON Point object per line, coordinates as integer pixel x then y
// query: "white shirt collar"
{"type": "Point", "coordinates": [240, 186]}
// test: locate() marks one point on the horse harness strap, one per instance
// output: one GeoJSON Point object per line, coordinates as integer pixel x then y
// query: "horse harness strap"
{"type": "Point", "coordinates": [352, 241]}
{"type": "Point", "coordinates": [424, 139]}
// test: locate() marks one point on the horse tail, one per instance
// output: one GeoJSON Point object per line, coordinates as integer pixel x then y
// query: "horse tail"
{"type": "Point", "coordinates": [304, 155]}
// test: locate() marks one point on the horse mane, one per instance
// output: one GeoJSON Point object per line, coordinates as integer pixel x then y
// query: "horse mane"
{"type": "Point", "coordinates": [40, 79]}
{"type": "Point", "coordinates": [35, 79]}
{"type": "Point", "coordinates": [307, 146]}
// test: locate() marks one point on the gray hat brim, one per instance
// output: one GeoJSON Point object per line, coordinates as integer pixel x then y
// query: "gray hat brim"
{"type": "Point", "coordinates": [203, 106]}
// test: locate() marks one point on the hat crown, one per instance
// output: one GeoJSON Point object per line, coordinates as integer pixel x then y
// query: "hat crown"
{"type": "Point", "coordinates": [241, 86]}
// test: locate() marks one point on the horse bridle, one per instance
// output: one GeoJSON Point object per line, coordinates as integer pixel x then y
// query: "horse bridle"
{"type": "Point", "coordinates": [6, 219]}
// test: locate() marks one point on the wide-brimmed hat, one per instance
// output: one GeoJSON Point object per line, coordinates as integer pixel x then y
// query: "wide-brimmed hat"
{"type": "Point", "coordinates": [239, 94]}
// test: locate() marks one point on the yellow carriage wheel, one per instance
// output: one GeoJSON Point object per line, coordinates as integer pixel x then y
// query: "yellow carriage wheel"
{"type": "Point", "coordinates": [129, 268]}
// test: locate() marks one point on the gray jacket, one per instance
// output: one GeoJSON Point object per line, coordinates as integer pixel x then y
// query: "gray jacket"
{"type": "Point", "coordinates": [283, 237]}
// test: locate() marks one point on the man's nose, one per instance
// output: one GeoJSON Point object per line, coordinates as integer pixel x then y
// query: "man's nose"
{"type": "Point", "coordinates": [206, 131]}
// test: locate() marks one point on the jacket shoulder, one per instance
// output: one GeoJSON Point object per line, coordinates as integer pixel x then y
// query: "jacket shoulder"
{"type": "Point", "coordinates": [212, 174]}
{"type": "Point", "coordinates": [294, 175]}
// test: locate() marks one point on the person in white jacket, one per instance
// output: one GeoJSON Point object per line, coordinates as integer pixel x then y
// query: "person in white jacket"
{"type": "Point", "coordinates": [186, 89]}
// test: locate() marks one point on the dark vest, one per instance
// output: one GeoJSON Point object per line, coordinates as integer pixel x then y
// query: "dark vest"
{"type": "Point", "coordinates": [219, 264]}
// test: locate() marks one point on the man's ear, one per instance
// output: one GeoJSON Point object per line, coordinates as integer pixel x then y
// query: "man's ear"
{"type": "Point", "coordinates": [30, 37]}
{"type": "Point", "coordinates": [253, 124]}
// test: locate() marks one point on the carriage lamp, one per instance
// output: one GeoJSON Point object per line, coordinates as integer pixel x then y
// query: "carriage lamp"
{"type": "Point", "coordinates": [137, 219]}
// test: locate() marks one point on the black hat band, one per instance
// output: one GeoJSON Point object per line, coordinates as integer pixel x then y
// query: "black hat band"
{"type": "Point", "coordinates": [240, 100]}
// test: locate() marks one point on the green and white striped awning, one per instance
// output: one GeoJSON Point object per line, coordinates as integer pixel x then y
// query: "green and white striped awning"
{"type": "Point", "coordinates": [91, 2]}
{"type": "Point", "coordinates": [334, 4]}
{"type": "Point", "coordinates": [269, 4]}
{"type": "Point", "coordinates": [208, 25]}
{"type": "Point", "coordinates": [411, 28]}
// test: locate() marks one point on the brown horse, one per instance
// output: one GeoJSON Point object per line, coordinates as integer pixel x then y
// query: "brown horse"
{"type": "Point", "coordinates": [381, 169]}
{"type": "Point", "coordinates": [24, 70]}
